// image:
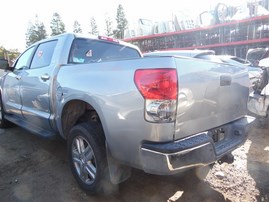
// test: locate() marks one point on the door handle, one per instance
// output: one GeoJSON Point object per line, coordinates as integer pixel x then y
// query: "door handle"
{"type": "Point", "coordinates": [45, 77]}
{"type": "Point", "coordinates": [18, 77]}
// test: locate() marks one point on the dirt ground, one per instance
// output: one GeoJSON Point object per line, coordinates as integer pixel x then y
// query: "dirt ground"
{"type": "Point", "coordinates": [36, 169]}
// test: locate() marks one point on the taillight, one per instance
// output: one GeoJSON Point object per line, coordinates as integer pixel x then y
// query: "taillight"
{"type": "Point", "coordinates": [159, 87]}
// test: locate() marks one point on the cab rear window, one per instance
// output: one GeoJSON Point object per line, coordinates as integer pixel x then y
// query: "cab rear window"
{"type": "Point", "coordinates": [90, 50]}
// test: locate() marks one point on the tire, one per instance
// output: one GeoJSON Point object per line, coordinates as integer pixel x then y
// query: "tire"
{"type": "Point", "coordinates": [3, 122]}
{"type": "Point", "coordinates": [87, 159]}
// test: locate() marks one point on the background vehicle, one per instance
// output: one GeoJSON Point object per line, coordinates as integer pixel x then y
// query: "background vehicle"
{"type": "Point", "coordinates": [255, 72]}
{"type": "Point", "coordinates": [185, 53]}
{"type": "Point", "coordinates": [118, 110]}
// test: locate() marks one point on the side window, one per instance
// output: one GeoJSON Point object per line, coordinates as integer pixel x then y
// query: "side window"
{"type": "Point", "coordinates": [43, 54]}
{"type": "Point", "coordinates": [24, 59]}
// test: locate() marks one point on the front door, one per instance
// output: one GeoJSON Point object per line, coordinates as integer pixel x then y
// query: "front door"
{"type": "Point", "coordinates": [11, 91]}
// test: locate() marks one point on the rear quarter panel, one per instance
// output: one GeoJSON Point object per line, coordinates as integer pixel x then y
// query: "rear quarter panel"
{"type": "Point", "coordinates": [109, 87]}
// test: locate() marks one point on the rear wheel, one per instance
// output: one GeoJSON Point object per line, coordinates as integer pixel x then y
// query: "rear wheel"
{"type": "Point", "coordinates": [87, 158]}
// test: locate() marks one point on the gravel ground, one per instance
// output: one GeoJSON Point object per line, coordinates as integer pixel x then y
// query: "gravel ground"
{"type": "Point", "coordinates": [36, 169]}
{"type": "Point", "coordinates": [247, 178]}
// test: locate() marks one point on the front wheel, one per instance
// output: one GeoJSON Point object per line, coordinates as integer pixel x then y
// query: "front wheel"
{"type": "Point", "coordinates": [3, 122]}
{"type": "Point", "coordinates": [87, 158]}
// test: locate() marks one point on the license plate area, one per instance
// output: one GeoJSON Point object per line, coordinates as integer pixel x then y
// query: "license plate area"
{"type": "Point", "coordinates": [217, 135]}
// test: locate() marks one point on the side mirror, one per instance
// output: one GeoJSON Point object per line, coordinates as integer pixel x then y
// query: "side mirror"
{"type": "Point", "coordinates": [4, 64]}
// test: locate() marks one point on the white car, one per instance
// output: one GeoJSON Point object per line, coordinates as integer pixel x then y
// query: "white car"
{"type": "Point", "coordinates": [255, 73]}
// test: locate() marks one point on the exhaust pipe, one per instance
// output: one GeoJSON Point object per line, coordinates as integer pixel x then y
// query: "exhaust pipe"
{"type": "Point", "coordinates": [228, 158]}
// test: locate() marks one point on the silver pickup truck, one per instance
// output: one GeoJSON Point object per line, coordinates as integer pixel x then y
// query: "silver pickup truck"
{"type": "Point", "coordinates": [118, 110]}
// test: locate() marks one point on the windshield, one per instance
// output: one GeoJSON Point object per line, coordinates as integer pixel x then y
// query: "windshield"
{"type": "Point", "coordinates": [234, 60]}
{"type": "Point", "coordinates": [240, 60]}
{"type": "Point", "coordinates": [212, 58]}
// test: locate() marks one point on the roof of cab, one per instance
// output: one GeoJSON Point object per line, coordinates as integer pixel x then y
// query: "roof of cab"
{"type": "Point", "coordinates": [89, 36]}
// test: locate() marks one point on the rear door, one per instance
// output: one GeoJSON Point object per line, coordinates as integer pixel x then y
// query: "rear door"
{"type": "Point", "coordinates": [35, 84]}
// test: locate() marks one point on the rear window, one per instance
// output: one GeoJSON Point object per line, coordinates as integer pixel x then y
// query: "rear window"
{"type": "Point", "coordinates": [212, 58]}
{"type": "Point", "coordinates": [90, 50]}
{"type": "Point", "coordinates": [241, 60]}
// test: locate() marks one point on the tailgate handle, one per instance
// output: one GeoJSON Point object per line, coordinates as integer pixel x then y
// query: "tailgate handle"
{"type": "Point", "coordinates": [225, 80]}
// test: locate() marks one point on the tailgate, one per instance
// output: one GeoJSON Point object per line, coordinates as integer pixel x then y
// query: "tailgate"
{"type": "Point", "coordinates": [210, 95]}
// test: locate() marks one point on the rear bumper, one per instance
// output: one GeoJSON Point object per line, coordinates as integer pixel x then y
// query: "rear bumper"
{"type": "Point", "coordinates": [196, 150]}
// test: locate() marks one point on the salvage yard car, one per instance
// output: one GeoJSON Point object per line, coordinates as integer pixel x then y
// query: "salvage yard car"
{"type": "Point", "coordinates": [118, 110]}
{"type": "Point", "coordinates": [255, 72]}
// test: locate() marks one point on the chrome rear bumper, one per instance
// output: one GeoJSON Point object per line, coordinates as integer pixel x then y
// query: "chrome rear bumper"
{"type": "Point", "coordinates": [196, 150]}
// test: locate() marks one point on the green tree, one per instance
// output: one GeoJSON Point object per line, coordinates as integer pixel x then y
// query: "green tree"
{"type": "Point", "coordinates": [121, 23]}
{"type": "Point", "coordinates": [9, 55]}
{"type": "Point", "coordinates": [3, 53]}
{"type": "Point", "coordinates": [13, 54]}
{"type": "Point", "coordinates": [93, 27]}
{"type": "Point", "coordinates": [77, 27]}
{"type": "Point", "coordinates": [57, 26]}
{"type": "Point", "coordinates": [35, 32]}
{"type": "Point", "coordinates": [108, 26]}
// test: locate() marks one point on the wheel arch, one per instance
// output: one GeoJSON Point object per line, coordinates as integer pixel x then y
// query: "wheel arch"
{"type": "Point", "coordinates": [76, 111]}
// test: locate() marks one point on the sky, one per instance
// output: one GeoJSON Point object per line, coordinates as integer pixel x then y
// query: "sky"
{"type": "Point", "coordinates": [15, 15]}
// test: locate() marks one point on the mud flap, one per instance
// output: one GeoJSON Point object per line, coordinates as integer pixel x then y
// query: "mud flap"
{"type": "Point", "coordinates": [118, 172]}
